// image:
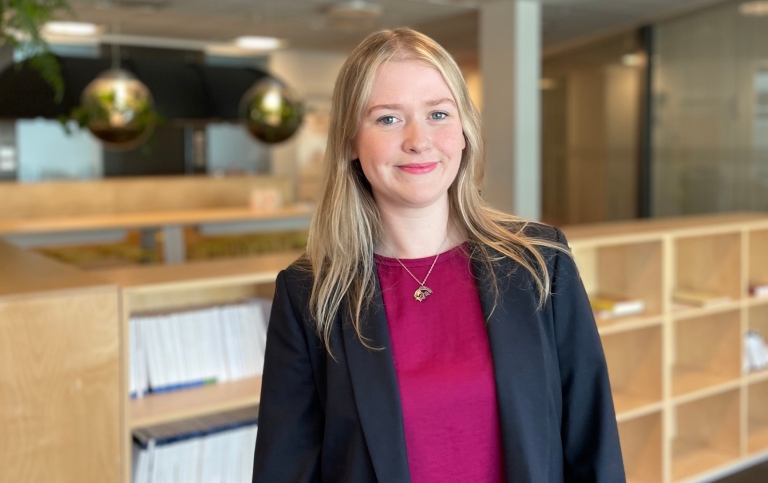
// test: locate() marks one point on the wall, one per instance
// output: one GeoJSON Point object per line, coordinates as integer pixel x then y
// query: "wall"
{"type": "Point", "coordinates": [710, 129]}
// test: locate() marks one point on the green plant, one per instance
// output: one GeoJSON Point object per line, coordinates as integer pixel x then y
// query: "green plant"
{"type": "Point", "coordinates": [20, 24]}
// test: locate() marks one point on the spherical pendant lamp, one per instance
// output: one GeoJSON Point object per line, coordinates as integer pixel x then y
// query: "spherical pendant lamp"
{"type": "Point", "coordinates": [119, 110]}
{"type": "Point", "coordinates": [271, 111]}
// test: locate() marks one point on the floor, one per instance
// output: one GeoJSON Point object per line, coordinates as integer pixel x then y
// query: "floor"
{"type": "Point", "coordinates": [756, 474]}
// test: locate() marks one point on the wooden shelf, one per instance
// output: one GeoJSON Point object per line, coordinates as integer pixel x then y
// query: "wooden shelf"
{"type": "Point", "coordinates": [641, 440]}
{"type": "Point", "coordinates": [707, 352]}
{"type": "Point", "coordinates": [710, 264]}
{"type": "Point", "coordinates": [758, 259]}
{"type": "Point", "coordinates": [757, 426]}
{"type": "Point", "coordinates": [707, 435]}
{"type": "Point", "coordinates": [631, 270]}
{"type": "Point", "coordinates": [625, 324]}
{"type": "Point", "coordinates": [190, 403]}
{"type": "Point", "coordinates": [634, 367]}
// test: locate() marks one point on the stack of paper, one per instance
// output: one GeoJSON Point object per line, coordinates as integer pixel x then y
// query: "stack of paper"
{"type": "Point", "coordinates": [606, 306]}
{"type": "Point", "coordinates": [755, 352]}
{"type": "Point", "coordinates": [196, 347]}
{"type": "Point", "coordinates": [698, 298]}
{"type": "Point", "coordinates": [217, 448]}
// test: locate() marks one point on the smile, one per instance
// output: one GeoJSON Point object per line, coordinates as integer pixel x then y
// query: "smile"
{"type": "Point", "coordinates": [418, 168]}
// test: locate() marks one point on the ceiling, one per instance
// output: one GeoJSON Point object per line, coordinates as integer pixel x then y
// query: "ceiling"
{"type": "Point", "coordinates": [309, 24]}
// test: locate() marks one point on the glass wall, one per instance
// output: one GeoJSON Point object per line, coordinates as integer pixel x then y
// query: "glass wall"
{"type": "Point", "coordinates": [710, 104]}
{"type": "Point", "coordinates": [591, 112]}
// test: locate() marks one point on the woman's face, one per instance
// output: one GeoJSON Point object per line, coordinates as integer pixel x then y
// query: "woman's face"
{"type": "Point", "coordinates": [410, 138]}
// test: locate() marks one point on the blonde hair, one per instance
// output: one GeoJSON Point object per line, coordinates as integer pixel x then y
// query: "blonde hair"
{"type": "Point", "coordinates": [347, 223]}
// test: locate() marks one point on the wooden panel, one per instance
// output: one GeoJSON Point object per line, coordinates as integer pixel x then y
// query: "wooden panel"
{"type": "Point", "coordinates": [204, 273]}
{"type": "Point", "coordinates": [128, 195]}
{"type": "Point", "coordinates": [758, 257]}
{"type": "Point", "coordinates": [634, 366]}
{"type": "Point", "coordinates": [641, 448]}
{"type": "Point", "coordinates": [707, 435]}
{"type": "Point", "coordinates": [757, 423]}
{"type": "Point", "coordinates": [710, 264]}
{"type": "Point", "coordinates": [145, 219]}
{"type": "Point", "coordinates": [707, 352]}
{"type": "Point", "coordinates": [25, 272]}
{"type": "Point", "coordinates": [633, 271]}
{"type": "Point", "coordinates": [174, 406]}
{"type": "Point", "coordinates": [686, 225]}
{"type": "Point", "coordinates": [59, 388]}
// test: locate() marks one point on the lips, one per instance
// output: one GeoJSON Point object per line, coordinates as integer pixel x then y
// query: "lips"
{"type": "Point", "coordinates": [418, 168]}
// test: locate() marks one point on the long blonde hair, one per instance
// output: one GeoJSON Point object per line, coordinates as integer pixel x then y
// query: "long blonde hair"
{"type": "Point", "coordinates": [347, 223]}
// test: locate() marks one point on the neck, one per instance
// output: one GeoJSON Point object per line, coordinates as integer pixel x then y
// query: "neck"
{"type": "Point", "coordinates": [417, 234]}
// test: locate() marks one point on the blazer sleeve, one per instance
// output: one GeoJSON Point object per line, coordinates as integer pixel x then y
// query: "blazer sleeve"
{"type": "Point", "coordinates": [590, 439]}
{"type": "Point", "coordinates": [290, 416]}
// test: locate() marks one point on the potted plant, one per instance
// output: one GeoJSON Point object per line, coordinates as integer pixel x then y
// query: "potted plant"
{"type": "Point", "coordinates": [20, 24]}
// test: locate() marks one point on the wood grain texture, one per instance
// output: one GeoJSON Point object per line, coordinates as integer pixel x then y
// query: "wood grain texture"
{"type": "Point", "coordinates": [59, 393]}
{"type": "Point", "coordinates": [178, 405]}
{"type": "Point", "coordinates": [635, 367]}
{"type": "Point", "coordinates": [25, 272]}
{"type": "Point", "coordinates": [66, 199]}
{"type": "Point", "coordinates": [640, 443]}
{"type": "Point", "coordinates": [18, 226]}
{"type": "Point", "coordinates": [707, 435]}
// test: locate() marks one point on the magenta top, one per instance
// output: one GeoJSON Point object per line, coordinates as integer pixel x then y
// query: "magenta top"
{"type": "Point", "coordinates": [444, 370]}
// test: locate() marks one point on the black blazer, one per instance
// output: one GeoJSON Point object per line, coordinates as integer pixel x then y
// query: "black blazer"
{"type": "Point", "coordinates": [326, 420]}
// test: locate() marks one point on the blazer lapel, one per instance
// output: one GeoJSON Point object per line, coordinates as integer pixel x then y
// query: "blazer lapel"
{"type": "Point", "coordinates": [516, 341]}
{"type": "Point", "coordinates": [377, 395]}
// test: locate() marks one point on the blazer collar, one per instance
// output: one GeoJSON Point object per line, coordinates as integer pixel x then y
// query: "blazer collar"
{"type": "Point", "coordinates": [377, 394]}
{"type": "Point", "coordinates": [515, 339]}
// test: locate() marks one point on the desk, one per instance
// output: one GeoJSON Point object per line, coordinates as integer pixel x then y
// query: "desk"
{"type": "Point", "coordinates": [94, 228]}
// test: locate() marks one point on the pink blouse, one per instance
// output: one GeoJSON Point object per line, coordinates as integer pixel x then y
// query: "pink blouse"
{"type": "Point", "coordinates": [444, 370]}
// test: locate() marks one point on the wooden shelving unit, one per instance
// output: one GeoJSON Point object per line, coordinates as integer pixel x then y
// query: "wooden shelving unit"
{"type": "Point", "coordinates": [641, 439]}
{"type": "Point", "coordinates": [706, 352]}
{"type": "Point", "coordinates": [757, 422]}
{"type": "Point", "coordinates": [707, 435]}
{"type": "Point", "coordinates": [156, 289]}
{"type": "Point", "coordinates": [686, 411]}
{"type": "Point", "coordinates": [635, 365]}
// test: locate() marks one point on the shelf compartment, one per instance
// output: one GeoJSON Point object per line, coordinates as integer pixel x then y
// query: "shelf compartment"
{"type": "Point", "coordinates": [720, 275]}
{"type": "Point", "coordinates": [632, 271]}
{"type": "Point", "coordinates": [634, 367]}
{"type": "Point", "coordinates": [178, 405]}
{"type": "Point", "coordinates": [757, 427]}
{"type": "Point", "coordinates": [706, 435]}
{"type": "Point", "coordinates": [707, 351]}
{"type": "Point", "coordinates": [641, 447]}
{"type": "Point", "coordinates": [758, 258]}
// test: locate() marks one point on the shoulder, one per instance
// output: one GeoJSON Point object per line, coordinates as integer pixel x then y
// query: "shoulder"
{"type": "Point", "coordinates": [297, 278]}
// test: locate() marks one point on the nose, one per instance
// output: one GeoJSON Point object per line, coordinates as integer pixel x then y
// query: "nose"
{"type": "Point", "coordinates": [415, 137]}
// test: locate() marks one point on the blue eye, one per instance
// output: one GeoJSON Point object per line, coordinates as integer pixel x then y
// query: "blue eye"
{"type": "Point", "coordinates": [386, 120]}
{"type": "Point", "coordinates": [439, 115]}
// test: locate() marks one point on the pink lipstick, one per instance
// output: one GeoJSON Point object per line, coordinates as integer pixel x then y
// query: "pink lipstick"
{"type": "Point", "coordinates": [418, 168]}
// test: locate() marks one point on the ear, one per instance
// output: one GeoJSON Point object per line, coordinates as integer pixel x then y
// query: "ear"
{"type": "Point", "coordinates": [463, 140]}
{"type": "Point", "coordinates": [353, 152]}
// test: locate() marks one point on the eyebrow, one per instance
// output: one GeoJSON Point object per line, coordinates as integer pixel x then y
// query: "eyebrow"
{"type": "Point", "coordinates": [394, 107]}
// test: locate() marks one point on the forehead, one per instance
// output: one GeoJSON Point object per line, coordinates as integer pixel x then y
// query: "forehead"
{"type": "Point", "coordinates": [404, 79]}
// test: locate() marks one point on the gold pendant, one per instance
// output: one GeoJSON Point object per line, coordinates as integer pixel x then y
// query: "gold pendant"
{"type": "Point", "coordinates": [421, 293]}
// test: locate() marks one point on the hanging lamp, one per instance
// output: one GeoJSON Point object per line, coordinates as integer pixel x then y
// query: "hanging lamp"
{"type": "Point", "coordinates": [271, 111]}
{"type": "Point", "coordinates": [119, 109]}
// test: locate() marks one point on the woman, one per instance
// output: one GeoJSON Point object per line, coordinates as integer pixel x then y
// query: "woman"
{"type": "Point", "coordinates": [426, 337]}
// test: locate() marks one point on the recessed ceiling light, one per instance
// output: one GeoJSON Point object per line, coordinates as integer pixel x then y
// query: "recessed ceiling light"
{"type": "Point", "coordinates": [258, 43]}
{"type": "Point", "coordinates": [75, 29]}
{"type": "Point", "coordinates": [354, 9]}
{"type": "Point", "coordinates": [754, 9]}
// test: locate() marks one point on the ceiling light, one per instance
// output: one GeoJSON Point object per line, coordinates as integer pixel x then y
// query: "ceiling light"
{"type": "Point", "coordinates": [632, 60]}
{"type": "Point", "coordinates": [354, 9]}
{"type": "Point", "coordinates": [754, 9]}
{"type": "Point", "coordinates": [75, 29]}
{"type": "Point", "coordinates": [258, 43]}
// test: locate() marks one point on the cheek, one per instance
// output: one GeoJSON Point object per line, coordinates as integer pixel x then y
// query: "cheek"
{"type": "Point", "coordinates": [452, 141]}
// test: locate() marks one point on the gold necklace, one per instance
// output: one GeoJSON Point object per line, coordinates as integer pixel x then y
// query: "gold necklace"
{"type": "Point", "coordinates": [423, 291]}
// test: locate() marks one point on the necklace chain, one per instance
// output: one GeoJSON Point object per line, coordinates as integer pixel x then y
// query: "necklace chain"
{"type": "Point", "coordinates": [423, 291]}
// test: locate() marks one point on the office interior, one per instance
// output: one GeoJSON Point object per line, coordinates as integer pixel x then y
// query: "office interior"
{"type": "Point", "coordinates": [639, 127]}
